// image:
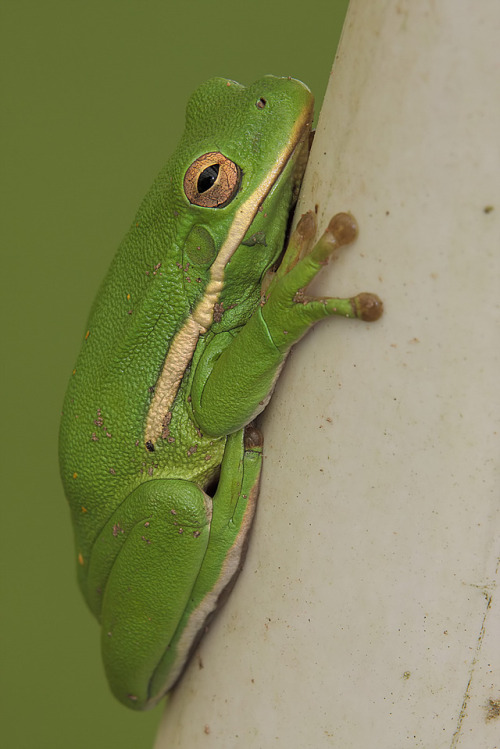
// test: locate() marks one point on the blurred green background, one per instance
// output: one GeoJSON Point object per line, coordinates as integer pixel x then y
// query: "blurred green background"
{"type": "Point", "coordinates": [93, 97]}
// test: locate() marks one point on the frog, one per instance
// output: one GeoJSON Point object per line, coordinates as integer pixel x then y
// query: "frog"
{"type": "Point", "coordinates": [160, 454]}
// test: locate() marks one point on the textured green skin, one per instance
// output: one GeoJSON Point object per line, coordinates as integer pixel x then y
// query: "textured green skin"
{"type": "Point", "coordinates": [142, 569]}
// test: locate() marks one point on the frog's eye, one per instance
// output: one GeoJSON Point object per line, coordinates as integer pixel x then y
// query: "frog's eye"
{"type": "Point", "coordinates": [212, 181]}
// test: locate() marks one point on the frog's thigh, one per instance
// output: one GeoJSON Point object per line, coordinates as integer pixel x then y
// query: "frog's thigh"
{"type": "Point", "coordinates": [162, 530]}
{"type": "Point", "coordinates": [233, 511]}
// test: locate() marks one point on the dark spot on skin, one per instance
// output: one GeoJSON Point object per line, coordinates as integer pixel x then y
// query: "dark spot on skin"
{"type": "Point", "coordinates": [253, 437]}
{"type": "Point", "coordinates": [218, 312]}
{"type": "Point", "coordinates": [164, 425]}
{"type": "Point", "coordinates": [150, 447]}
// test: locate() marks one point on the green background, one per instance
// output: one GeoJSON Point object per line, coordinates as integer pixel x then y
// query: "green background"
{"type": "Point", "coordinates": [93, 97]}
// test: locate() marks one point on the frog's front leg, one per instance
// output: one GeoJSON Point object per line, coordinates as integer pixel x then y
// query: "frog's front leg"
{"type": "Point", "coordinates": [235, 377]}
{"type": "Point", "coordinates": [161, 566]}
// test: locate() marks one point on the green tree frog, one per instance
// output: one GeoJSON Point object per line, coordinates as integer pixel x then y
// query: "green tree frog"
{"type": "Point", "coordinates": [189, 330]}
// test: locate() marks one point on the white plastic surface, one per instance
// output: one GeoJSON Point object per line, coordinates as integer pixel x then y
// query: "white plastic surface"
{"type": "Point", "coordinates": [368, 614]}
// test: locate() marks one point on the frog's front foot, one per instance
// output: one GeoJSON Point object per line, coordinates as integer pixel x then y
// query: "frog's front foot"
{"type": "Point", "coordinates": [287, 308]}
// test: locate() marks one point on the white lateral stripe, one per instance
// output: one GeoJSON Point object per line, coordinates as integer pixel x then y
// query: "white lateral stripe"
{"type": "Point", "coordinates": [179, 355]}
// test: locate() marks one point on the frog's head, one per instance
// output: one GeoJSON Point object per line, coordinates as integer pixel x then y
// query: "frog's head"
{"type": "Point", "coordinates": [234, 173]}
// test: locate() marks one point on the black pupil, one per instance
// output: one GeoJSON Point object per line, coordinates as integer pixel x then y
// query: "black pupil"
{"type": "Point", "coordinates": [208, 177]}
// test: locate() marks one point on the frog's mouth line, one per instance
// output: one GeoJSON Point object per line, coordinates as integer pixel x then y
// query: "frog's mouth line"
{"type": "Point", "coordinates": [184, 343]}
{"type": "Point", "coordinates": [300, 156]}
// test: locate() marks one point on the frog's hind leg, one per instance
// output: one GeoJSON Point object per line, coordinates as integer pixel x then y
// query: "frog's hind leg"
{"type": "Point", "coordinates": [142, 570]}
{"type": "Point", "coordinates": [234, 506]}
{"type": "Point", "coordinates": [163, 564]}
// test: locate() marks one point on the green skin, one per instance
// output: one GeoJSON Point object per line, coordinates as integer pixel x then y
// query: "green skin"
{"type": "Point", "coordinates": [184, 343]}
